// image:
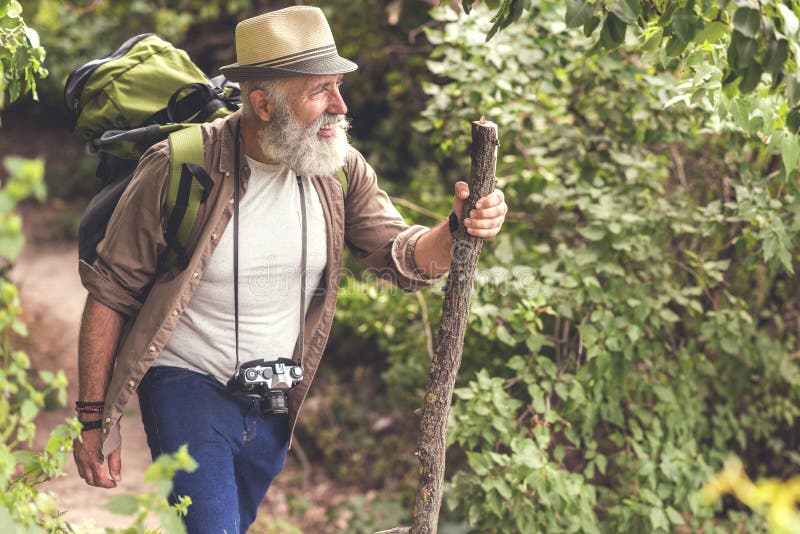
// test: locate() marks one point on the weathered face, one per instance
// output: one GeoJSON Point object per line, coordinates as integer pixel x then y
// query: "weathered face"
{"type": "Point", "coordinates": [307, 128]}
{"type": "Point", "coordinates": [310, 96]}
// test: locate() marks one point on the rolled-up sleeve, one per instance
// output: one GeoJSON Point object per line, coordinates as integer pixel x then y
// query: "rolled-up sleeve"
{"type": "Point", "coordinates": [376, 233]}
{"type": "Point", "coordinates": [128, 255]}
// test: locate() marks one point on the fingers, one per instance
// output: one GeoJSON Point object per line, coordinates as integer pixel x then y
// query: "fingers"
{"type": "Point", "coordinates": [488, 216]}
{"type": "Point", "coordinates": [115, 465]}
{"type": "Point", "coordinates": [462, 190]}
{"type": "Point", "coordinates": [99, 475]}
{"type": "Point", "coordinates": [94, 472]}
{"type": "Point", "coordinates": [78, 462]}
{"type": "Point", "coordinates": [495, 198]}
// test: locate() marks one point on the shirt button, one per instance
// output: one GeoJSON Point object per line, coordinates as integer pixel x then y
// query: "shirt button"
{"type": "Point", "coordinates": [213, 237]}
{"type": "Point", "coordinates": [230, 200]}
{"type": "Point", "coordinates": [195, 275]}
{"type": "Point", "coordinates": [152, 349]}
{"type": "Point", "coordinates": [108, 419]}
{"type": "Point", "coordinates": [105, 430]}
{"type": "Point", "coordinates": [175, 313]}
{"type": "Point", "coordinates": [131, 383]}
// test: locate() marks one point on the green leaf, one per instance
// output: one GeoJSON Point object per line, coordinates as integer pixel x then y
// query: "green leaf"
{"type": "Point", "coordinates": [658, 519]}
{"type": "Point", "coordinates": [785, 258]}
{"type": "Point", "coordinates": [171, 523]}
{"type": "Point", "coordinates": [793, 89]}
{"type": "Point", "coordinates": [712, 33]}
{"type": "Point", "coordinates": [504, 336]}
{"type": "Point", "coordinates": [14, 10]}
{"type": "Point", "coordinates": [674, 516]}
{"type": "Point", "coordinates": [123, 505]}
{"type": "Point", "coordinates": [28, 411]}
{"type": "Point", "coordinates": [594, 232]}
{"type": "Point", "coordinates": [579, 12]}
{"type": "Point", "coordinates": [750, 79]}
{"type": "Point", "coordinates": [775, 56]}
{"type": "Point", "coordinates": [669, 315]}
{"type": "Point", "coordinates": [675, 46]}
{"type": "Point", "coordinates": [685, 26]}
{"type": "Point", "coordinates": [627, 10]}
{"type": "Point", "coordinates": [790, 22]}
{"type": "Point", "coordinates": [790, 153]}
{"type": "Point", "coordinates": [613, 33]}
{"type": "Point", "coordinates": [11, 246]}
{"type": "Point", "coordinates": [747, 21]}
{"type": "Point", "coordinates": [742, 53]}
{"type": "Point", "coordinates": [26, 458]}
{"type": "Point", "coordinates": [793, 120]}
{"type": "Point", "coordinates": [653, 43]}
{"type": "Point", "coordinates": [591, 26]}
{"type": "Point", "coordinates": [7, 524]}
{"type": "Point", "coordinates": [601, 461]}
{"type": "Point", "coordinates": [33, 36]}
{"type": "Point", "coordinates": [517, 363]}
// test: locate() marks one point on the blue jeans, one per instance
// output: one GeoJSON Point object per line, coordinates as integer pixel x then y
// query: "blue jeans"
{"type": "Point", "coordinates": [238, 450]}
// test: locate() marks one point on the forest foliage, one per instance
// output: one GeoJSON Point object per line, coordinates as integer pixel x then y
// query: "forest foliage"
{"type": "Point", "coordinates": [636, 321]}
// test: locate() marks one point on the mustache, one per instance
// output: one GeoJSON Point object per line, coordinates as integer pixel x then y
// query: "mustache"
{"type": "Point", "coordinates": [336, 121]}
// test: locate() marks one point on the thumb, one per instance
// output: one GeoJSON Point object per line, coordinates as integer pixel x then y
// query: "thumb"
{"type": "Point", "coordinates": [115, 465]}
{"type": "Point", "coordinates": [461, 194]}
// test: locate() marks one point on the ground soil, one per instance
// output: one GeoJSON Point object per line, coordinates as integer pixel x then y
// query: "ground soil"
{"type": "Point", "coordinates": [52, 299]}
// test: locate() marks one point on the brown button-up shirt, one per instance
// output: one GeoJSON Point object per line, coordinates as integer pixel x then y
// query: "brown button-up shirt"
{"type": "Point", "coordinates": [125, 275]}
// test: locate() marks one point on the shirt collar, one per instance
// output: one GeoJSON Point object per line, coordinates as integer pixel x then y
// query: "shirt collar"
{"type": "Point", "coordinates": [228, 143]}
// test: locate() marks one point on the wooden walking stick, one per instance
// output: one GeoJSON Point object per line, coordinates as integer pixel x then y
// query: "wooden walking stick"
{"type": "Point", "coordinates": [432, 441]}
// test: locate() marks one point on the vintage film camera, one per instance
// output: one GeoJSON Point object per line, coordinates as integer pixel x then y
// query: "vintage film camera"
{"type": "Point", "coordinates": [269, 380]}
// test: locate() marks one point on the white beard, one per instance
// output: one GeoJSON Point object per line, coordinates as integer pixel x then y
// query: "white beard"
{"type": "Point", "coordinates": [287, 141]}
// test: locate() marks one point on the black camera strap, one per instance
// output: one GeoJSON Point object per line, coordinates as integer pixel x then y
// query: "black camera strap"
{"type": "Point", "coordinates": [303, 255]}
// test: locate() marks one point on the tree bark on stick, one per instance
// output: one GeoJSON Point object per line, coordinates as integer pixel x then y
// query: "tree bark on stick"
{"type": "Point", "coordinates": [432, 442]}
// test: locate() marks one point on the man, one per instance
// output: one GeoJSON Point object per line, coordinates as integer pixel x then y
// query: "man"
{"type": "Point", "coordinates": [262, 288]}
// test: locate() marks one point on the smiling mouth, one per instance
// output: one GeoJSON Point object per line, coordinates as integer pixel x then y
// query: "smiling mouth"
{"type": "Point", "coordinates": [326, 130]}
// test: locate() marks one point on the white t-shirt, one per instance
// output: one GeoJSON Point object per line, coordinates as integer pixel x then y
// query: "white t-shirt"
{"type": "Point", "coordinates": [269, 279]}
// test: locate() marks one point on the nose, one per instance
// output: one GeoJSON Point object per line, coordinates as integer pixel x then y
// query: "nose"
{"type": "Point", "coordinates": [336, 103]}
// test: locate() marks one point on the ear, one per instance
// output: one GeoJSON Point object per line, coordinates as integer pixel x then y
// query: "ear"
{"type": "Point", "coordinates": [261, 105]}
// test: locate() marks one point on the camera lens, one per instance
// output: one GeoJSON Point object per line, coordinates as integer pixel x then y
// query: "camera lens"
{"type": "Point", "coordinates": [274, 403]}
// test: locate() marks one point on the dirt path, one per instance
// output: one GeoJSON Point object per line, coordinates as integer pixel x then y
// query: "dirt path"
{"type": "Point", "coordinates": [52, 300]}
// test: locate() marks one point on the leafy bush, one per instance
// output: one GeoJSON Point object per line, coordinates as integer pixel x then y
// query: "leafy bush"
{"type": "Point", "coordinates": [636, 318]}
{"type": "Point", "coordinates": [664, 342]}
{"type": "Point", "coordinates": [23, 508]}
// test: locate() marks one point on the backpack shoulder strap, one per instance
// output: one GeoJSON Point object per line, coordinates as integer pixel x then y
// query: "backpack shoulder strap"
{"type": "Point", "coordinates": [343, 181]}
{"type": "Point", "coordinates": [189, 186]}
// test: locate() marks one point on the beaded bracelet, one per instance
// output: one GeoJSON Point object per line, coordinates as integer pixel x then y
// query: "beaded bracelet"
{"type": "Point", "coordinates": [91, 425]}
{"type": "Point", "coordinates": [89, 404]}
{"type": "Point", "coordinates": [89, 409]}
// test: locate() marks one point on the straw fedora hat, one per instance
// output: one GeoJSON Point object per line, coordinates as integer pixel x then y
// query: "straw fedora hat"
{"type": "Point", "coordinates": [294, 41]}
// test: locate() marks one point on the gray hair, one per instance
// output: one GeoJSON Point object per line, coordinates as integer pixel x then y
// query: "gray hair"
{"type": "Point", "coordinates": [274, 89]}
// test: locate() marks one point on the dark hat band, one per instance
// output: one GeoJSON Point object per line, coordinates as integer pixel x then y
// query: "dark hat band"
{"type": "Point", "coordinates": [330, 63]}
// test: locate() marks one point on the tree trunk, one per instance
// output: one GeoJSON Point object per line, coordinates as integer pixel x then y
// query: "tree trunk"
{"type": "Point", "coordinates": [432, 445]}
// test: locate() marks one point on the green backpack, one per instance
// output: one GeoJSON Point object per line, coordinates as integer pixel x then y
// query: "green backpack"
{"type": "Point", "coordinates": [142, 93]}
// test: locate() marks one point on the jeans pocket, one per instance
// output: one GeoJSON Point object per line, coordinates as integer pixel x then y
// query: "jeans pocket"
{"type": "Point", "coordinates": [164, 374]}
